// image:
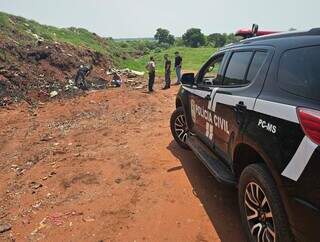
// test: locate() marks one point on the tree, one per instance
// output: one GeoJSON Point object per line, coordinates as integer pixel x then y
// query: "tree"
{"type": "Point", "coordinates": [231, 38]}
{"type": "Point", "coordinates": [194, 38]}
{"type": "Point", "coordinates": [171, 39]}
{"type": "Point", "coordinates": [218, 40]}
{"type": "Point", "coordinates": [164, 36]}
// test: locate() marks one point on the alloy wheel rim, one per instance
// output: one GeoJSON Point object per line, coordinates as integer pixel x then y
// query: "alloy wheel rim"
{"type": "Point", "coordinates": [259, 215]}
{"type": "Point", "coordinates": [180, 127]}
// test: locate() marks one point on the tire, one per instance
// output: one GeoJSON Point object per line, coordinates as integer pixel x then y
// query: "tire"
{"type": "Point", "coordinates": [179, 128]}
{"type": "Point", "coordinates": [263, 213]}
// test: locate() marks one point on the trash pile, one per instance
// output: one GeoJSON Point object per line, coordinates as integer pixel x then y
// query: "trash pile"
{"type": "Point", "coordinates": [136, 83]}
{"type": "Point", "coordinates": [40, 72]}
{"type": "Point", "coordinates": [133, 79]}
{"type": "Point", "coordinates": [126, 72]}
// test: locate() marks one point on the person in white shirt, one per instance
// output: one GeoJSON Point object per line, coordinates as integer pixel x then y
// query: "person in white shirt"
{"type": "Point", "coordinates": [151, 67]}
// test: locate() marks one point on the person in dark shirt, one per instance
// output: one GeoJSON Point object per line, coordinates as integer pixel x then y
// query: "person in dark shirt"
{"type": "Point", "coordinates": [178, 66]}
{"type": "Point", "coordinates": [82, 73]}
{"type": "Point", "coordinates": [167, 69]}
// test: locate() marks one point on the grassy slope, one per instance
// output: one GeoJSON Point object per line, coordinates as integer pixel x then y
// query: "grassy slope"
{"type": "Point", "coordinates": [193, 58]}
{"type": "Point", "coordinates": [75, 36]}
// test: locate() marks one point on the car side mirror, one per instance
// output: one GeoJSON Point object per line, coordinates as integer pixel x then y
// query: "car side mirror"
{"type": "Point", "coordinates": [187, 79]}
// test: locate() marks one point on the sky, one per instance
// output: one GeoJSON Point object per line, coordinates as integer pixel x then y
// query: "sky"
{"type": "Point", "coordinates": [141, 18]}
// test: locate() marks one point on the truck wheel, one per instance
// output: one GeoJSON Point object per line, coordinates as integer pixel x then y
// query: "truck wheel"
{"type": "Point", "coordinates": [179, 127]}
{"type": "Point", "coordinates": [261, 208]}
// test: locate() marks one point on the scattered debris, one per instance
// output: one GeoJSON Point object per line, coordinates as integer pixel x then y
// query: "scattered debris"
{"type": "Point", "coordinates": [46, 137]}
{"type": "Point", "coordinates": [139, 87]}
{"type": "Point", "coordinates": [52, 173]}
{"type": "Point", "coordinates": [88, 219]}
{"type": "Point", "coordinates": [42, 225]}
{"type": "Point", "coordinates": [5, 228]}
{"type": "Point", "coordinates": [35, 186]}
{"type": "Point", "coordinates": [57, 218]}
{"type": "Point", "coordinates": [37, 205]}
{"type": "Point", "coordinates": [126, 72]}
{"type": "Point", "coordinates": [53, 94]}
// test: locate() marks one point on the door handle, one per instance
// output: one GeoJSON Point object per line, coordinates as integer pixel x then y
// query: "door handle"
{"type": "Point", "coordinates": [240, 110]}
{"type": "Point", "coordinates": [241, 107]}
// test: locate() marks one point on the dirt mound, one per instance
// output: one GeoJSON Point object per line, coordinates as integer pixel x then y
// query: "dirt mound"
{"type": "Point", "coordinates": [31, 72]}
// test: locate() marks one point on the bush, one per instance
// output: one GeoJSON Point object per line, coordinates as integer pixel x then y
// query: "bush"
{"type": "Point", "coordinates": [157, 50]}
{"type": "Point", "coordinates": [124, 45]}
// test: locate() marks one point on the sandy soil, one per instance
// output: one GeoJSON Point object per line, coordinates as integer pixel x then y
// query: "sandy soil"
{"type": "Point", "coordinates": [104, 167]}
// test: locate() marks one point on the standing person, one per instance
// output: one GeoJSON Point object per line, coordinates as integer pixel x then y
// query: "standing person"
{"type": "Point", "coordinates": [151, 67]}
{"type": "Point", "coordinates": [178, 66]}
{"type": "Point", "coordinates": [167, 69]}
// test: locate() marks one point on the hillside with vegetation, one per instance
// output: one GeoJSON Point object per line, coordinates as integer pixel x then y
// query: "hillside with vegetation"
{"type": "Point", "coordinates": [39, 61]}
{"type": "Point", "coordinates": [23, 31]}
{"type": "Point", "coordinates": [36, 59]}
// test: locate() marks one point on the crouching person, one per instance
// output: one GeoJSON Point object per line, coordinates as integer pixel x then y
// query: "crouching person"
{"type": "Point", "coordinates": [116, 80]}
{"type": "Point", "coordinates": [82, 73]}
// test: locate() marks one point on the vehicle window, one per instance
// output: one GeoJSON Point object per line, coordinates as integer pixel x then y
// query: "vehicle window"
{"type": "Point", "coordinates": [212, 73]}
{"type": "Point", "coordinates": [256, 64]}
{"type": "Point", "coordinates": [237, 69]}
{"type": "Point", "coordinates": [299, 72]}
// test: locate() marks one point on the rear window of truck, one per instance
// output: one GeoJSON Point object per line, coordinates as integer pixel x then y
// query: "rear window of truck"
{"type": "Point", "coordinates": [299, 72]}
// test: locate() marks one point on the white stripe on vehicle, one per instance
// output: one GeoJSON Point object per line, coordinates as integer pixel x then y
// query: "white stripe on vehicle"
{"type": "Point", "coordinates": [278, 110]}
{"type": "Point", "coordinates": [300, 159]}
{"type": "Point", "coordinates": [213, 93]}
{"type": "Point", "coordinates": [209, 131]}
{"type": "Point", "coordinates": [200, 93]}
{"type": "Point", "coordinates": [232, 100]}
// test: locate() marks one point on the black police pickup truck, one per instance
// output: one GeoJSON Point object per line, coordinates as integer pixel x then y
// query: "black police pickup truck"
{"type": "Point", "coordinates": [252, 116]}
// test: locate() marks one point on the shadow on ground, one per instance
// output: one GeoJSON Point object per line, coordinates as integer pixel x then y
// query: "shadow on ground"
{"type": "Point", "coordinates": [220, 201]}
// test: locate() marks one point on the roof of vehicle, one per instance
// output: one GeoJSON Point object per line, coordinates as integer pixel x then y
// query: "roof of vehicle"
{"type": "Point", "coordinates": [290, 39]}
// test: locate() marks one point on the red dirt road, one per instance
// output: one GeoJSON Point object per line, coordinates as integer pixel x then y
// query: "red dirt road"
{"type": "Point", "coordinates": [104, 167]}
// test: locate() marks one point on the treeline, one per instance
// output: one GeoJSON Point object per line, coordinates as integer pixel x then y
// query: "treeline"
{"type": "Point", "coordinates": [194, 38]}
{"type": "Point", "coordinates": [163, 39]}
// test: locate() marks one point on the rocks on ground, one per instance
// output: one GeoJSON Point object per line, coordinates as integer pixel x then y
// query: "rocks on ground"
{"type": "Point", "coordinates": [5, 228]}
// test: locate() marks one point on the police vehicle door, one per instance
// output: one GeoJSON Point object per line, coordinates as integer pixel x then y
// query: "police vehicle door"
{"type": "Point", "coordinates": [201, 98]}
{"type": "Point", "coordinates": [243, 79]}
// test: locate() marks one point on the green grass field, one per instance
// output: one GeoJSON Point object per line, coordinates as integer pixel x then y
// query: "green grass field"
{"type": "Point", "coordinates": [193, 59]}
